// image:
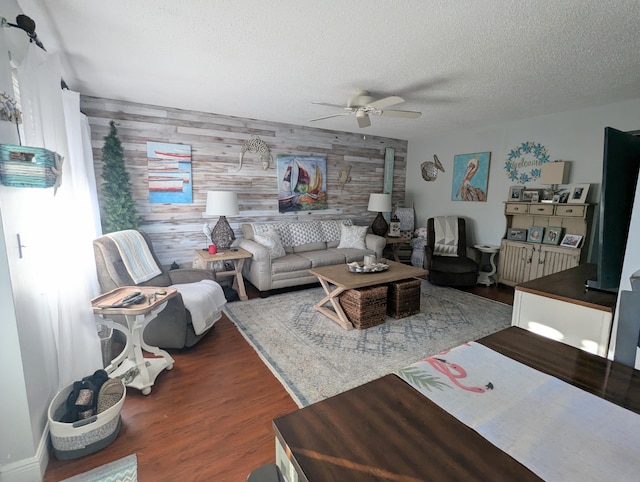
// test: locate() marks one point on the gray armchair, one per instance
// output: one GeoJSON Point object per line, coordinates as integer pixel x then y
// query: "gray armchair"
{"type": "Point", "coordinates": [453, 270]}
{"type": "Point", "coordinates": [172, 328]}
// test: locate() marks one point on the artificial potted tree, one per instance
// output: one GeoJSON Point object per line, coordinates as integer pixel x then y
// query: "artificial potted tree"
{"type": "Point", "coordinates": [119, 211]}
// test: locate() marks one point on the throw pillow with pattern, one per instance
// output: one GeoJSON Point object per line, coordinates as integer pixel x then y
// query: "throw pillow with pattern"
{"type": "Point", "coordinates": [270, 240]}
{"type": "Point", "coordinates": [352, 237]}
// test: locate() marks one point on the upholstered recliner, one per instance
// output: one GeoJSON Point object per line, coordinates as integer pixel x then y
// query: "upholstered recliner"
{"type": "Point", "coordinates": [446, 253]}
{"type": "Point", "coordinates": [172, 328]}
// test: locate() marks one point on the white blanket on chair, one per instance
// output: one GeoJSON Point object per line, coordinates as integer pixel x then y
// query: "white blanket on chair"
{"type": "Point", "coordinates": [446, 236]}
{"type": "Point", "coordinates": [204, 300]}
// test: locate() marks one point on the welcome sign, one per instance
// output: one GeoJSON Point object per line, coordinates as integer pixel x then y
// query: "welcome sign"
{"type": "Point", "coordinates": [524, 163]}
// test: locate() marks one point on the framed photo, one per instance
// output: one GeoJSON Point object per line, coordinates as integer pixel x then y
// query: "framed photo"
{"type": "Point", "coordinates": [578, 194]}
{"type": "Point", "coordinates": [517, 234]}
{"type": "Point", "coordinates": [515, 193]}
{"type": "Point", "coordinates": [527, 195]}
{"type": "Point", "coordinates": [470, 176]}
{"type": "Point", "coordinates": [555, 199]}
{"type": "Point", "coordinates": [552, 235]}
{"type": "Point", "coordinates": [563, 197]}
{"type": "Point", "coordinates": [535, 234]}
{"type": "Point", "coordinates": [535, 197]}
{"type": "Point", "coordinates": [571, 241]}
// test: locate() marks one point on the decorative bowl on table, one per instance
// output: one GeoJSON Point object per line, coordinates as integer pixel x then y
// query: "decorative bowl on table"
{"type": "Point", "coordinates": [356, 267]}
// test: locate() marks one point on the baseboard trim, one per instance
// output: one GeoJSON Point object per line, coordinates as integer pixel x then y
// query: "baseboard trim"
{"type": "Point", "coordinates": [29, 469]}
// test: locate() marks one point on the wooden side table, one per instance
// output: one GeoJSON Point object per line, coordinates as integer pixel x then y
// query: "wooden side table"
{"type": "Point", "coordinates": [395, 243]}
{"type": "Point", "coordinates": [204, 260]}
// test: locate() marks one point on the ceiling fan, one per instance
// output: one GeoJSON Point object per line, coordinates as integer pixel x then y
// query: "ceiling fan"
{"type": "Point", "coordinates": [362, 105]}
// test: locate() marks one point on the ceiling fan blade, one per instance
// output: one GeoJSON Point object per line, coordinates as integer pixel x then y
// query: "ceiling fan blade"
{"type": "Point", "coordinates": [363, 119]}
{"type": "Point", "coordinates": [386, 102]}
{"type": "Point", "coordinates": [329, 116]}
{"type": "Point", "coordinates": [409, 114]}
{"type": "Point", "coordinates": [329, 105]}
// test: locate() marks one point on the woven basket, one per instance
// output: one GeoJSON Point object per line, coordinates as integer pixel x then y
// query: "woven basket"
{"type": "Point", "coordinates": [403, 298]}
{"type": "Point", "coordinates": [22, 166]}
{"type": "Point", "coordinates": [365, 307]}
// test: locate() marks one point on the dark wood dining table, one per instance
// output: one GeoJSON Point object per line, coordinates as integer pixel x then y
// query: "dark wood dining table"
{"type": "Point", "coordinates": [387, 430]}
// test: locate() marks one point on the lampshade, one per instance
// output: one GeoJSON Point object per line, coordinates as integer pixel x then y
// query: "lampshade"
{"type": "Point", "coordinates": [222, 203]}
{"type": "Point", "coordinates": [554, 172]}
{"type": "Point", "coordinates": [380, 203]}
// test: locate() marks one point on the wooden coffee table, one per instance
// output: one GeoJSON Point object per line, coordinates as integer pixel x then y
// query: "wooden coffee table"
{"type": "Point", "coordinates": [342, 279]}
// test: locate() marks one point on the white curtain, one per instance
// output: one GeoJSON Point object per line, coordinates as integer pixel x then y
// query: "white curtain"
{"type": "Point", "coordinates": [68, 221]}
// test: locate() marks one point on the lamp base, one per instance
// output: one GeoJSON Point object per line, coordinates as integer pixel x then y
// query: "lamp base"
{"type": "Point", "coordinates": [222, 234]}
{"type": "Point", "coordinates": [379, 225]}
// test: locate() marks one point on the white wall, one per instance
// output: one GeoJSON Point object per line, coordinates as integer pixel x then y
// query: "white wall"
{"type": "Point", "coordinates": [575, 136]}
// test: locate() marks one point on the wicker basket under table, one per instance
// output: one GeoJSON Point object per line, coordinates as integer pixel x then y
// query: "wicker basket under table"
{"type": "Point", "coordinates": [403, 298]}
{"type": "Point", "coordinates": [365, 307]}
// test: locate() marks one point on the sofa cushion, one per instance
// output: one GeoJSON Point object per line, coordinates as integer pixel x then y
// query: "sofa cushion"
{"type": "Point", "coordinates": [352, 237]}
{"type": "Point", "coordinates": [324, 257]}
{"type": "Point", "coordinates": [310, 247]}
{"type": "Point", "coordinates": [351, 254]}
{"type": "Point", "coordinates": [290, 262]}
{"type": "Point", "coordinates": [271, 241]}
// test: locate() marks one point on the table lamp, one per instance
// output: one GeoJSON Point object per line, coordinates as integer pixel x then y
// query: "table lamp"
{"type": "Point", "coordinates": [222, 203]}
{"type": "Point", "coordinates": [380, 203]}
{"type": "Point", "coordinates": [553, 173]}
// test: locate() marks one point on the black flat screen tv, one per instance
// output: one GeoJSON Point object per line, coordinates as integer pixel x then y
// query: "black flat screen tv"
{"type": "Point", "coordinates": [620, 167]}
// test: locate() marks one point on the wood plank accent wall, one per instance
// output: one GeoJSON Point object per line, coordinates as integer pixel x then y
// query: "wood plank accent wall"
{"type": "Point", "coordinates": [216, 140]}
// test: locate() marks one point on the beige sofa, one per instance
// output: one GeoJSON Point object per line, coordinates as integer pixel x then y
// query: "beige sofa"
{"type": "Point", "coordinates": [306, 244]}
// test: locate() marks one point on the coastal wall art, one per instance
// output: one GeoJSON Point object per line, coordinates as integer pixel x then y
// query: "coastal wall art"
{"type": "Point", "coordinates": [302, 184]}
{"type": "Point", "coordinates": [169, 171]}
{"type": "Point", "coordinates": [470, 176]}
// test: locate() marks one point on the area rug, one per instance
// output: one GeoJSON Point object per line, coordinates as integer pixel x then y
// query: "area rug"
{"type": "Point", "coordinates": [121, 470]}
{"type": "Point", "coordinates": [314, 358]}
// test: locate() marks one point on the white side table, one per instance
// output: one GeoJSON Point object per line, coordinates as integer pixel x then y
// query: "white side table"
{"type": "Point", "coordinates": [484, 277]}
{"type": "Point", "coordinates": [131, 365]}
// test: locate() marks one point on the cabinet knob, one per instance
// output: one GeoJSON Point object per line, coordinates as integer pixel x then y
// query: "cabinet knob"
{"type": "Point", "coordinates": [569, 210]}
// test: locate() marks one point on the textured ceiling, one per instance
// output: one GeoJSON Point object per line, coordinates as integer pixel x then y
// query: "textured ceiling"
{"type": "Point", "coordinates": [463, 64]}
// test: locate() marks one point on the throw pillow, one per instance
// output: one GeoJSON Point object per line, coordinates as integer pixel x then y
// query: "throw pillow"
{"type": "Point", "coordinates": [352, 237]}
{"type": "Point", "coordinates": [270, 240]}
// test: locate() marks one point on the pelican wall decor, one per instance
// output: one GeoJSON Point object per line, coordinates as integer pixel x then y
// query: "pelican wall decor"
{"type": "Point", "coordinates": [430, 169]}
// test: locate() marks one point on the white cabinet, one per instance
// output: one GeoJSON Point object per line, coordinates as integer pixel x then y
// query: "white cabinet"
{"type": "Point", "coordinates": [521, 261]}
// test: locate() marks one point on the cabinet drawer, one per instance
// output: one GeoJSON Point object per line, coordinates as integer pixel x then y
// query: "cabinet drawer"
{"type": "Point", "coordinates": [516, 208]}
{"type": "Point", "coordinates": [570, 210]}
{"type": "Point", "coordinates": [541, 209]}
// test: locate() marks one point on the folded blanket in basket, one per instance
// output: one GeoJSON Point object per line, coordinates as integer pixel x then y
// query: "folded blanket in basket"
{"type": "Point", "coordinates": [136, 255]}
{"type": "Point", "coordinates": [204, 300]}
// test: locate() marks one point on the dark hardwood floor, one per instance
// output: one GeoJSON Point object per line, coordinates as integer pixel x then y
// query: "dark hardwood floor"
{"type": "Point", "coordinates": [208, 419]}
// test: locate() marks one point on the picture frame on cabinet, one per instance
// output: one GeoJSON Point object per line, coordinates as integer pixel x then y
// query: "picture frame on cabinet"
{"type": "Point", "coordinates": [516, 234]}
{"type": "Point", "coordinates": [578, 194]}
{"type": "Point", "coordinates": [564, 196]}
{"type": "Point", "coordinates": [552, 235]}
{"type": "Point", "coordinates": [555, 199]}
{"type": "Point", "coordinates": [515, 193]}
{"type": "Point", "coordinates": [528, 195]}
{"type": "Point", "coordinates": [571, 241]}
{"type": "Point", "coordinates": [535, 234]}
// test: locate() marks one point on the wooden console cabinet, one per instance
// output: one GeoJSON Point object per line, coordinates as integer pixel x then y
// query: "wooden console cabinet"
{"type": "Point", "coordinates": [521, 261]}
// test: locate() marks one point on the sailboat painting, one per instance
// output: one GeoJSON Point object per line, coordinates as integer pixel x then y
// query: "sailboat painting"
{"type": "Point", "coordinates": [302, 183]}
{"type": "Point", "coordinates": [169, 170]}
